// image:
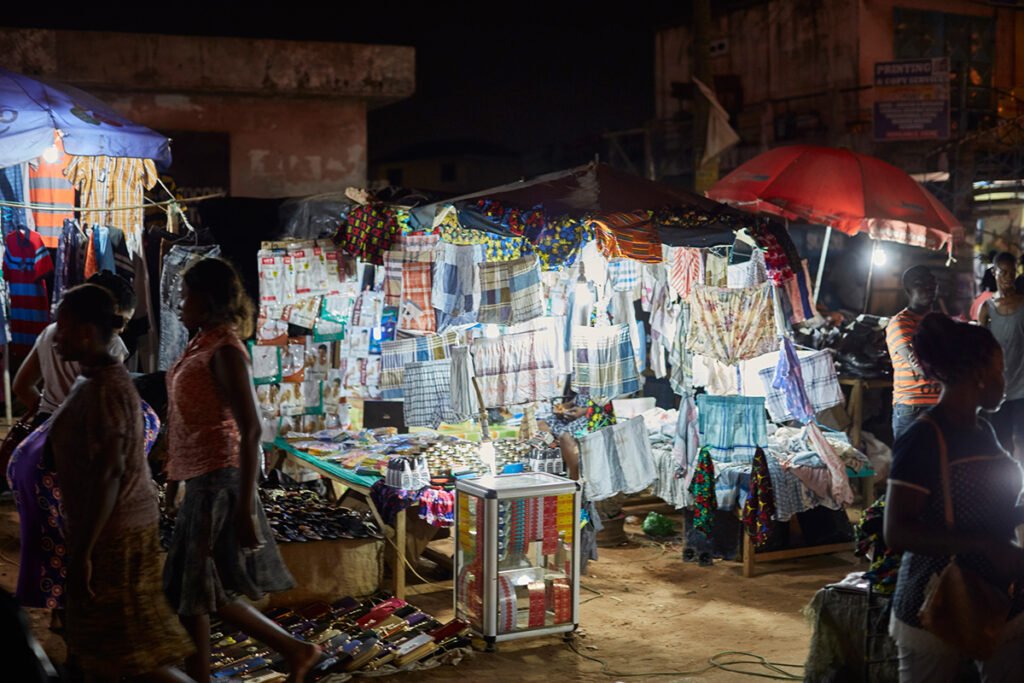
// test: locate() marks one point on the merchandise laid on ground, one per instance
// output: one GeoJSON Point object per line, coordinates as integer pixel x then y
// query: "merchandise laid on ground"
{"type": "Point", "coordinates": [379, 634]}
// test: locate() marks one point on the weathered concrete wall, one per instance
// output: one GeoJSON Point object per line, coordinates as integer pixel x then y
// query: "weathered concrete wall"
{"type": "Point", "coordinates": [295, 111]}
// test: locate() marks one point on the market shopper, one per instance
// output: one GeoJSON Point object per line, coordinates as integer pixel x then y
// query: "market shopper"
{"type": "Point", "coordinates": [912, 392]}
{"type": "Point", "coordinates": [118, 621]}
{"type": "Point", "coordinates": [984, 483]}
{"type": "Point", "coordinates": [1004, 316]}
{"type": "Point", "coordinates": [222, 548]}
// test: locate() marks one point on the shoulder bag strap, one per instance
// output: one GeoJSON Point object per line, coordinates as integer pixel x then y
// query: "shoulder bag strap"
{"type": "Point", "coordinates": [947, 492]}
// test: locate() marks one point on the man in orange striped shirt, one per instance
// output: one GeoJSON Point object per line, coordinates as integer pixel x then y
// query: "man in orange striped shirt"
{"type": "Point", "coordinates": [912, 393]}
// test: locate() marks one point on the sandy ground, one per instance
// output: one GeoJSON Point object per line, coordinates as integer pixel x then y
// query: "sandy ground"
{"type": "Point", "coordinates": [644, 612]}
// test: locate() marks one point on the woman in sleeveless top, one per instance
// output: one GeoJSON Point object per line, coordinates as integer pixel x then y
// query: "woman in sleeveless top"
{"type": "Point", "coordinates": [984, 483]}
{"type": "Point", "coordinates": [1004, 316]}
{"type": "Point", "coordinates": [222, 548]}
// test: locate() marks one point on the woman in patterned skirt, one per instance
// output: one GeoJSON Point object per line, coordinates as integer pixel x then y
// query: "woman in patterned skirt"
{"type": "Point", "coordinates": [222, 548]}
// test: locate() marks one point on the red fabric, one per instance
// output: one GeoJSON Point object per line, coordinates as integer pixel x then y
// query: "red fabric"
{"type": "Point", "coordinates": [849, 191]}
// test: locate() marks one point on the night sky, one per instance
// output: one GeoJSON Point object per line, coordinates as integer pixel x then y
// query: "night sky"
{"type": "Point", "coordinates": [524, 77]}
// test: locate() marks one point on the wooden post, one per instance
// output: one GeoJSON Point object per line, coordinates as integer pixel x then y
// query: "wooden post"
{"type": "Point", "coordinates": [400, 555]}
{"type": "Point", "coordinates": [748, 555]}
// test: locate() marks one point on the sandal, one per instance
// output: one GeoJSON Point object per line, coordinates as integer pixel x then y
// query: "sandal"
{"type": "Point", "coordinates": [689, 555]}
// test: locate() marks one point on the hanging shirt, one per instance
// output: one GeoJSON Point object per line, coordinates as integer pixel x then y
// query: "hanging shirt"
{"type": "Point", "coordinates": [13, 183]}
{"type": "Point", "coordinates": [110, 182]}
{"type": "Point", "coordinates": [49, 186]}
{"type": "Point", "coordinates": [26, 263]}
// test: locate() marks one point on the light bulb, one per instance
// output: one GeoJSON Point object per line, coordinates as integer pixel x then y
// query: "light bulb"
{"type": "Point", "coordinates": [879, 257]}
{"type": "Point", "coordinates": [51, 154]}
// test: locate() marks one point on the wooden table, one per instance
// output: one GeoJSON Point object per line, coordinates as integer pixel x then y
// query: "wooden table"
{"type": "Point", "coordinates": [856, 404]}
{"type": "Point", "coordinates": [358, 485]}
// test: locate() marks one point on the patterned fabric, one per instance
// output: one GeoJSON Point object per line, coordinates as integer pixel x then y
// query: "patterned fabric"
{"type": "Point", "coordinates": [732, 428]}
{"type": "Point", "coordinates": [731, 325]}
{"type": "Point", "coordinates": [628, 235]}
{"type": "Point", "coordinates": [418, 243]}
{"type": "Point", "coordinates": [839, 481]}
{"type": "Point", "coordinates": [820, 385]}
{"type": "Point", "coordinates": [749, 274]}
{"type": "Point", "coordinates": [702, 491]}
{"type": "Point", "coordinates": [206, 567]}
{"type": "Point", "coordinates": [203, 435]}
{"type": "Point", "coordinates": [417, 312]}
{"type": "Point", "coordinates": [780, 253]}
{"type": "Point", "coordinates": [510, 292]}
{"type": "Point", "coordinates": [623, 274]}
{"type": "Point", "coordinates": [716, 270]}
{"type": "Point", "coordinates": [497, 248]}
{"type": "Point", "coordinates": [463, 395]}
{"type": "Point", "coordinates": [111, 182]}
{"type": "Point", "coordinates": [26, 263]}
{"type": "Point", "coordinates": [371, 230]}
{"type": "Point", "coordinates": [48, 186]}
{"type": "Point", "coordinates": [559, 242]}
{"type": "Point", "coordinates": [790, 380]}
{"type": "Point", "coordinates": [395, 355]}
{"type": "Point", "coordinates": [427, 388]}
{"type": "Point", "coordinates": [13, 181]}
{"type": "Point", "coordinates": [127, 627]}
{"type": "Point", "coordinates": [870, 544]}
{"type": "Point", "coordinates": [597, 416]}
{"type": "Point", "coordinates": [603, 361]}
{"type": "Point", "coordinates": [456, 280]}
{"type": "Point", "coordinates": [515, 369]}
{"type": "Point", "coordinates": [685, 267]}
{"type": "Point", "coordinates": [759, 509]}
{"type": "Point", "coordinates": [908, 387]}
{"type": "Point", "coordinates": [393, 260]}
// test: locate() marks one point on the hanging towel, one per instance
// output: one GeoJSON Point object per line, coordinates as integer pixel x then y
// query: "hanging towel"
{"type": "Point", "coordinates": [819, 382]}
{"type": "Point", "coordinates": [759, 509]}
{"type": "Point", "coordinates": [702, 490]}
{"type": "Point", "coordinates": [731, 325]}
{"type": "Point", "coordinates": [732, 427]}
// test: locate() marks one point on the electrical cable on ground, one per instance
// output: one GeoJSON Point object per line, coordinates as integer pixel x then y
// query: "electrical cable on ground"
{"type": "Point", "coordinates": [776, 669]}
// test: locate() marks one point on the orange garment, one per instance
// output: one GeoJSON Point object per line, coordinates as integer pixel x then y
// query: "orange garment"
{"type": "Point", "coordinates": [202, 433]}
{"type": "Point", "coordinates": [47, 186]}
{"type": "Point", "coordinates": [628, 235]}
{"type": "Point", "coordinates": [908, 387]}
{"type": "Point", "coordinates": [114, 182]}
{"type": "Point", "coordinates": [92, 264]}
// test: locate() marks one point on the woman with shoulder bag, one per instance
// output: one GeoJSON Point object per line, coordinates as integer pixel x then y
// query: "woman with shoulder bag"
{"type": "Point", "coordinates": [953, 509]}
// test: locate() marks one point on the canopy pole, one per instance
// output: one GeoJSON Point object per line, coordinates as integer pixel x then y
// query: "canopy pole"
{"type": "Point", "coordinates": [8, 398]}
{"type": "Point", "coordinates": [821, 263]}
{"type": "Point", "coordinates": [871, 272]}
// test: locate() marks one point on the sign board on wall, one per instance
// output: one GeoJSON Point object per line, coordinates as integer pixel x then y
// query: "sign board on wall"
{"type": "Point", "coordinates": [912, 100]}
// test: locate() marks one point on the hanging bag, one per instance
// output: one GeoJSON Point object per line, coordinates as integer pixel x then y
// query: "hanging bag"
{"type": "Point", "coordinates": [960, 607]}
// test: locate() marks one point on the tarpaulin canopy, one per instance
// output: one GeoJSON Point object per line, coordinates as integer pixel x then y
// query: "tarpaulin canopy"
{"type": "Point", "coordinates": [596, 190]}
{"type": "Point", "coordinates": [842, 189]}
{"type": "Point", "coordinates": [32, 109]}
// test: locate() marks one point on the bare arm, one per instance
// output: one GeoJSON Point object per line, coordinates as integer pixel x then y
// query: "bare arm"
{"type": "Point", "coordinates": [983, 315]}
{"type": "Point", "coordinates": [26, 382]}
{"type": "Point", "coordinates": [231, 371]}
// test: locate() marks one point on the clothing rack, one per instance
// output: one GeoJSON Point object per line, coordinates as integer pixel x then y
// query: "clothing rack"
{"type": "Point", "coordinates": [84, 209]}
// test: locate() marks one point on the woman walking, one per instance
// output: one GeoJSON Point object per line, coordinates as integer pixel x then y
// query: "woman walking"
{"type": "Point", "coordinates": [984, 482]}
{"type": "Point", "coordinates": [118, 620]}
{"type": "Point", "coordinates": [222, 547]}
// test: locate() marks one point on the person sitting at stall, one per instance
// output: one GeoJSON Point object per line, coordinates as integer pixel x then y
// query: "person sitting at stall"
{"type": "Point", "coordinates": [118, 621]}
{"type": "Point", "coordinates": [1004, 316]}
{"type": "Point", "coordinates": [984, 484]}
{"type": "Point", "coordinates": [912, 392]}
{"type": "Point", "coordinates": [57, 375]}
{"type": "Point", "coordinates": [223, 547]}
{"type": "Point", "coordinates": [575, 416]}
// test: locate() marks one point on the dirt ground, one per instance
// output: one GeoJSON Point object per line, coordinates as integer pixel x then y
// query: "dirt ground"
{"type": "Point", "coordinates": [644, 612]}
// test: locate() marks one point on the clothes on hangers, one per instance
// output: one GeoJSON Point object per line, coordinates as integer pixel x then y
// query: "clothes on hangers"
{"type": "Point", "coordinates": [716, 269]}
{"type": "Point", "coordinates": [623, 274]}
{"type": "Point", "coordinates": [510, 291]}
{"type": "Point", "coordinates": [603, 362]}
{"type": "Point", "coordinates": [817, 384]}
{"type": "Point", "coordinates": [686, 266]}
{"type": "Point", "coordinates": [427, 388]}
{"type": "Point", "coordinates": [515, 368]}
{"type": "Point", "coordinates": [48, 185]}
{"type": "Point", "coordinates": [731, 325]}
{"type": "Point", "coordinates": [112, 182]}
{"type": "Point", "coordinates": [617, 459]}
{"type": "Point", "coordinates": [417, 311]}
{"type": "Point", "coordinates": [26, 263]}
{"type": "Point", "coordinates": [759, 508]}
{"type": "Point", "coordinates": [748, 274]}
{"type": "Point", "coordinates": [398, 353]}
{"type": "Point", "coordinates": [702, 490]}
{"type": "Point", "coordinates": [629, 234]}
{"type": "Point", "coordinates": [456, 289]}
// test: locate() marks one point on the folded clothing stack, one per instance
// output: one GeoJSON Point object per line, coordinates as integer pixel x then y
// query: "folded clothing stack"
{"type": "Point", "coordinates": [375, 634]}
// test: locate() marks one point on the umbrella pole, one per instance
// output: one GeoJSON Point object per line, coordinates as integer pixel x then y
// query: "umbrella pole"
{"type": "Point", "coordinates": [8, 399]}
{"type": "Point", "coordinates": [821, 263]}
{"type": "Point", "coordinates": [871, 272]}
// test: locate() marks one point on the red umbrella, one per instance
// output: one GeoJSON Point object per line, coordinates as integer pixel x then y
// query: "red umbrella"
{"type": "Point", "coordinates": [845, 190]}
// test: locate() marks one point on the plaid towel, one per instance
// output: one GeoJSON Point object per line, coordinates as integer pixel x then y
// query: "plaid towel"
{"type": "Point", "coordinates": [418, 243]}
{"type": "Point", "coordinates": [819, 380]}
{"type": "Point", "coordinates": [624, 274]}
{"type": "Point", "coordinates": [515, 368]}
{"type": "Point", "coordinates": [393, 260]}
{"type": "Point", "coordinates": [417, 312]}
{"type": "Point", "coordinates": [732, 427]}
{"type": "Point", "coordinates": [686, 266]}
{"type": "Point", "coordinates": [510, 292]}
{"type": "Point", "coordinates": [395, 355]}
{"type": "Point", "coordinates": [603, 361]}
{"type": "Point", "coordinates": [427, 390]}
{"type": "Point", "coordinates": [456, 282]}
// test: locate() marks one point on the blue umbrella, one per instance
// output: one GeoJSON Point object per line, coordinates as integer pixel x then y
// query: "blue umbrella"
{"type": "Point", "coordinates": [31, 109]}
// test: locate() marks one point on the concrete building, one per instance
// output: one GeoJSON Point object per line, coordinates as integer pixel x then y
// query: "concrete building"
{"type": "Point", "coordinates": [258, 118]}
{"type": "Point", "coordinates": [451, 167]}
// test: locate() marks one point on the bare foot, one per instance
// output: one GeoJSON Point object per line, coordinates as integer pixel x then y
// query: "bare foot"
{"type": "Point", "coordinates": [301, 660]}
